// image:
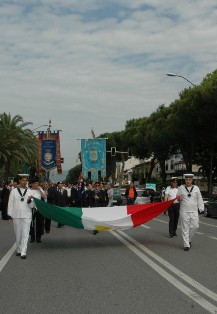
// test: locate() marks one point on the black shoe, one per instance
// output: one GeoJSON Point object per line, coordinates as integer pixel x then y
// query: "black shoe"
{"type": "Point", "coordinates": [95, 231]}
{"type": "Point", "coordinates": [23, 256]}
{"type": "Point", "coordinates": [175, 234]}
{"type": "Point", "coordinates": [38, 240]}
{"type": "Point", "coordinates": [47, 231]}
{"type": "Point", "coordinates": [186, 248]}
{"type": "Point", "coordinates": [31, 241]}
{"type": "Point", "coordinates": [18, 254]}
{"type": "Point", "coordinates": [171, 235]}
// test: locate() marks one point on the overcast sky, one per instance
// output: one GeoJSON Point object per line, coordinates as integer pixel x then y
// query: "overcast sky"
{"type": "Point", "coordinates": [98, 63]}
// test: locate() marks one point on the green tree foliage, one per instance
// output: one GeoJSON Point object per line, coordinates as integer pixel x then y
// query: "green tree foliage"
{"type": "Point", "coordinates": [188, 125]}
{"type": "Point", "coordinates": [73, 174]}
{"type": "Point", "coordinates": [117, 140]}
{"type": "Point", "coordinates": [18, 145]}
{"type": "Point", "coordinates": [159, 137]}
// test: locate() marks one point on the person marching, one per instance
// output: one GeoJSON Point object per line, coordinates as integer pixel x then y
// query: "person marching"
{"type": "Point", "coordinates": [191, 201]}
{"type": "Point", "coordinates": [173, 210]}
{"type": "Point", "coordinates": [37, 225]}
{"type": "Point", "coordinates": [20, 212]}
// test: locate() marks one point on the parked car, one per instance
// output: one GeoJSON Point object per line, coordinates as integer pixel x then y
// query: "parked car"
{"type": "Point", "coordinates": [144, 196]}
{"type": "Point", "coordinates": [118, 196]}
{"type": "Point", "coordinates": [210, 207]}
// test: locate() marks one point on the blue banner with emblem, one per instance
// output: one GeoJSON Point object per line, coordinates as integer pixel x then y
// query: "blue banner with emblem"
{"type": "Point", "coordinates": [48, 154]}
{"type": "Point", "coordinates": [93, 157]}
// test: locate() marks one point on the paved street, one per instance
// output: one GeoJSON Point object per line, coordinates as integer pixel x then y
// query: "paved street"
{"type": "Point", "coordinates": [141, 270]}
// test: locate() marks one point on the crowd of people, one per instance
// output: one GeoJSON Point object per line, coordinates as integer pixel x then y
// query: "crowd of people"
{"type": "Point", "coordinates": [18, 205]}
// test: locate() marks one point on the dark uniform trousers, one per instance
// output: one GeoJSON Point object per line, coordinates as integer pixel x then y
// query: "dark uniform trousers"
{"type": "Point", "coordinates": [37, 227]}
{"type": "Point", "coordinates": [173, 213]}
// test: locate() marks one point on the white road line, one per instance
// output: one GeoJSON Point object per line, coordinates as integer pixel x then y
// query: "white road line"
{"type": "Point", "coordinates": [204, 303]}
{"type": "Point", "coordinates": [214, 238]}
{"type": "Point", "coordinates": [165, 222]}
{"type": "Point", "coordinates": [204, 223]}
{"type": "Point", "coordinates": [7, 256]}
{"type": "Point", "coordinates": [146, 227]}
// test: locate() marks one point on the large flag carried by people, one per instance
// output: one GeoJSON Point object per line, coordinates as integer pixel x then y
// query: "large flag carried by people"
{"type": "Point", "coordinates": [103, 218]}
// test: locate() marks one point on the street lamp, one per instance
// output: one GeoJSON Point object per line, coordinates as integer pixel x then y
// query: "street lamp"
{"type": "Point", "coordinates": [49, 126]}
{"type": "Point", "coordinates": [39, 127]}
{"type": "Point", "coordinates": [173, 74]}
{"type": "Point", "coordinates": [211, 149]}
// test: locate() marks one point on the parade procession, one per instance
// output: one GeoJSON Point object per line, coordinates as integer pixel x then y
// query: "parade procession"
{"type": "Point", "coordinates": [32, 205]}
{"type": "Point", "coordinates": [108, 157]}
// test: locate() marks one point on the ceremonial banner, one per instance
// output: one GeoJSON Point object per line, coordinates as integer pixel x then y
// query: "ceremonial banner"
{"type": "Point", "coordinates": [93, 157]}
{"type": "Point", "coordinates": [103, 218]}
{"type": "Point", "coordinates": [49, 156]}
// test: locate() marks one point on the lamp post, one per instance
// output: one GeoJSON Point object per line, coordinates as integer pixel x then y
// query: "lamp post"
{"type": "Point", "coordinates": [211, 149]}
{"type": "Point", "coordinates": [177, 75]}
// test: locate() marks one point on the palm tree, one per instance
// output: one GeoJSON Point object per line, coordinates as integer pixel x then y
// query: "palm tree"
{"type": "Point", "coordinates": [17, 143]}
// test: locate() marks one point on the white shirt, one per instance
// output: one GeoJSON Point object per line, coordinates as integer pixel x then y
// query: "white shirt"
{"type": "Point", "coordinates": [36, 194]}
{"type": "Point", "coordinates": [192, 203]}
{"type": "Point", "coordinates": [68, 191]}
{"type": "Point", "coordinates": [18, 208]}
{"type": "Point", "coordinates": [110, 196]}
{"type": "Point", "coordinates": [171, 192]}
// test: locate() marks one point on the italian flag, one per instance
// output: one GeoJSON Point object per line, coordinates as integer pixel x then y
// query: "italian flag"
{"type": "Point", "coordinates": [102, 218]}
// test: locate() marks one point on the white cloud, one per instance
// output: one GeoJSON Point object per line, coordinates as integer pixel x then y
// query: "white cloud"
{"type": "Point", "coordinates": [86, 64]}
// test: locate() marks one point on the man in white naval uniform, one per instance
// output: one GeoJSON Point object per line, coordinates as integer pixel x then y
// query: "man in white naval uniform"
{"type": "Point", "coordinates": [19, 210]}
{"type": "Point", "coordinates": [173, 210]}
{"type": "Point", "coordinates": [190, 202]}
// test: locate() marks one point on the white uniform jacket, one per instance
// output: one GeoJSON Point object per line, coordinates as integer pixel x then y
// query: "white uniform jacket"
{"type": "Point", "coordinates": [192, 203]}
{"type": "Point", "coordinates": [18, 208]}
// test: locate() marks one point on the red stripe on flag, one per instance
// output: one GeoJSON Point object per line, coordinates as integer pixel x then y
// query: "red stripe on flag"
{"type": "Point", "coordinates": [141, 214]}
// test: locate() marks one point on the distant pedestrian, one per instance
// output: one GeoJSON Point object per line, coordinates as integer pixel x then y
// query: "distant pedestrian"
{"type": "Point", "coordinates": [173, 210]}
{"type": "Point", "coordinates": [131, 194]}
{"type": "Point", "coordinates": [190, 202]}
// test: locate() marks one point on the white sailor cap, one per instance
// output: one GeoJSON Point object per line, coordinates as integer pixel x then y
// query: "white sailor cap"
{"type": "Point", "coordinates": [188, 175]}
{"type": "Point", "coordinates": [21, 175]}
{"type": "Point", "coordinates": [174, 179]}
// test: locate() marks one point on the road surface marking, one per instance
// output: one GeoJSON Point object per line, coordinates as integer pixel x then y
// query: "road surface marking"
{"type": "Point", "coordinates": [7, 256]}
{"type": "Point", "coordinates": [204, 223]}
{"type": "Point", "coordinates": [132, 244]}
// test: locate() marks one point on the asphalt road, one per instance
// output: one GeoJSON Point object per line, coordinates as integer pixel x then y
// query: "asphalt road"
{"type": "Point", "coordinates": [140, 270]}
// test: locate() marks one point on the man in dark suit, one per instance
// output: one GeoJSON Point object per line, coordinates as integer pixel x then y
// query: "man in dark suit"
{"type": "Point", "coordinates": [61, 198]}
{"type": "Point", "coordinates": [4, 198]}
{"type": "Point", "coordinates": [73, 198]}
{"type": "Point", "coordinates": [98, 198]}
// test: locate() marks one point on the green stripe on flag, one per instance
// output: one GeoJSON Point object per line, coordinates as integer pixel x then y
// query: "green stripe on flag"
{"type": "Point", "coordinates": [70, 216]}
